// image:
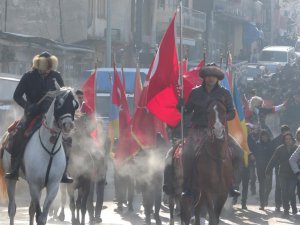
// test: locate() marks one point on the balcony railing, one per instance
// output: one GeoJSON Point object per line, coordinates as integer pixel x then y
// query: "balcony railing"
{"type": "Point", "coordinates": [193, 19]}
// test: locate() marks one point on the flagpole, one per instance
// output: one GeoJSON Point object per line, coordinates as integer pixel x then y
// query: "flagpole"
{"type": "Point", "coordinates": [181, 75]}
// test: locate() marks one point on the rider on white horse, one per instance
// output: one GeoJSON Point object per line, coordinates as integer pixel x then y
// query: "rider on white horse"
{"type": "Point", "coordinates": [34, 84]}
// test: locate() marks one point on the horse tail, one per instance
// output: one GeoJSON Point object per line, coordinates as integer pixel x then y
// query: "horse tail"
{"type": "Point", "coordinates": [3, 188]}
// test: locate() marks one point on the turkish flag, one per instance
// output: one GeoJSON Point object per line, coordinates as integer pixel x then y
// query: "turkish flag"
{"type": "Point", "coordinates": [164, 73]}
{"type": "Point", "coordinates": [89, 91]}
{"type": "Point", "coordinates": [119, 99]}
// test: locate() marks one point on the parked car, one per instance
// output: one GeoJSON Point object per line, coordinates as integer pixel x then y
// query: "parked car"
{"type": "Point", "coordinates": [276, 57]}
{"type": "Point", "coordinates": [9, 111]}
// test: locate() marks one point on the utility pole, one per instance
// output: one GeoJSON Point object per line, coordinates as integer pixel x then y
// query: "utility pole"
{"type": "Point", "coordinates": [108, 34]}
{"type": "Point", "coordinates": [5, 15]}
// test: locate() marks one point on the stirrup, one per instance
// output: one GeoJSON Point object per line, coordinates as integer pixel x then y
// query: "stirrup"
{"type": "Point", "coordinates": [66, 179]}
{"type": "Point", "coordinates": [14, 175]}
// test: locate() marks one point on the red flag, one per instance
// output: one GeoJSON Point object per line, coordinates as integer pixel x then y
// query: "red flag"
{"type": "Point", "coordinates": [143, 127]}
{"type": "Point", "coordinates": [162, 93]}
{"type": "Point", "coordinates": [137, 87]}
{"type": "Point", "coordinates": [192, 79]}
{"type": "Point", "coordinates": [127, 146]}
{"type": "Point", "coordinates": [164, 71]}
{"type": "Point", "coordinates": [89, 91]}
{"type": "Point", "coordinates": [119, 99]}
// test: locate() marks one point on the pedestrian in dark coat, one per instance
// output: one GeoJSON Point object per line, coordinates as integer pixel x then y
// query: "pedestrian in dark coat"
{"type": "Point", "coordinates": [287, 178]}
{"type": "Point", "coordinates": [263, 152]}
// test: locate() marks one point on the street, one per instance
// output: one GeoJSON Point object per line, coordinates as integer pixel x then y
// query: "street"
{"type": "Point", "coordinates": [232, 215]}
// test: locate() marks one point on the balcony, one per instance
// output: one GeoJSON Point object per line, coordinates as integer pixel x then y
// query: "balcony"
{"type": "Point", "coordinates": [193, 19]}
{"type": "Point", "coordinates": [244, 10]}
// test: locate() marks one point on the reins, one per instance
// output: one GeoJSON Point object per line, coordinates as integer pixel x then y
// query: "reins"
{"type": "Point", "coordinates": [51, 153]}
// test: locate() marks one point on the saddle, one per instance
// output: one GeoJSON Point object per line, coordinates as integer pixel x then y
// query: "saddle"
{"type": "Point", "coordinates": [7, 140]}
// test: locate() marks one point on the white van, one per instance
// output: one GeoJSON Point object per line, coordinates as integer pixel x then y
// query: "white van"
{"type": "Point", "coordinates": [276, 57]}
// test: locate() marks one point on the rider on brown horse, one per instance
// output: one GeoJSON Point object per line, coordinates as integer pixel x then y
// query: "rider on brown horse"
{"type": "Point", "coordinates": [34, 84]}
{"type": "Point", "coordinates": [197, 104]}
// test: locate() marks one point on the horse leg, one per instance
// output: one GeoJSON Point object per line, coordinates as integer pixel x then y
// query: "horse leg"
{"type": "Point", "coordinates": [11, 188]}
{"type": "Point", "coordinates": [186, 208]}
{"type": "Point", "coordinates": [219, 205]}
{"type": "Point", "coordinates": [84, 198]}
{"type": "Point", "coordinates": [130, 193]}
{"type": "Point", "coordinates": [171, 207]}
{"type": "Point", "coordinates": [147, 203]}
{"type": "Point", "coordinates": [157, 191]}
{"type": "Point", "coordinates": [52, 190]}
{"type": "Point", "coordinates": [63, 193]}
{"type": "Point", "coordinates": [210, 208]}
{"type": "Point", "coordinates": [72, 203]}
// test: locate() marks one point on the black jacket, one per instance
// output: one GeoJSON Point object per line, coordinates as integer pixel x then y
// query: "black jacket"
{"type": "Point", "coordinates": [198, 102]}
{"type": "Point", "coordinates": [281, 156]}
{"type": "Point", "coordinates": [34, 87]}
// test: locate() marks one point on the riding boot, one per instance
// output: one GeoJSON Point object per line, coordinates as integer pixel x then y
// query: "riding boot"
{"type": "Point", "coordinates": [188, 165]}
{"type": "Point", "coordinates": [234, 192]}
{"type": "Point", "coordinates": [168, 174]}
{"type": "Point", "coordinates": [67, 144]}
{"type": "Point", "coordinates": [17, 152]}
{"type": "Point", "coordinates": [66, 178]}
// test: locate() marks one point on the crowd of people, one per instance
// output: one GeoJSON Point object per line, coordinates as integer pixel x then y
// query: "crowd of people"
{"type": "Point", "coordinates": [277, 94]}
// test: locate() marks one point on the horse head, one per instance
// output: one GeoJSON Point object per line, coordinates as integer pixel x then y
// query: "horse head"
{"type": "Point", "coordinates": [64, 110]}
{"type": "Point", "coordinates": [65, 106]}
{"type": "Point", "coordinates": [217, 119]}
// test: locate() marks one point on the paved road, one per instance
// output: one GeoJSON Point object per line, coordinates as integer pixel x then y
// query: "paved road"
{"type": "Point", "coordinates": [232, 215]}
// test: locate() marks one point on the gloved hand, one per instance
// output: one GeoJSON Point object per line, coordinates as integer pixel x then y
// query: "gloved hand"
{"type": "Point", "coordinates": [180, 103]}
{"type": "Point", "coordinates": [33, 109]}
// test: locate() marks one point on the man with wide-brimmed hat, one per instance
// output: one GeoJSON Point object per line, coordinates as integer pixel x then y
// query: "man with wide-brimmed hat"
{"type": "Point", "coordinates": [197, 104]}
{"type": "Point", "coordinates": [34, 84]}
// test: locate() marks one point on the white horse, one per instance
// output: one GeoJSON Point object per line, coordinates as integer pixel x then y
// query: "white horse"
{"type": "Point", "coordinates": [44, 158]}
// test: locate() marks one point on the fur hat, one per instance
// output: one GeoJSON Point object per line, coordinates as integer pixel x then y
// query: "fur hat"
{"type": "Point", "coordinates": [44, 61]}
{"type": "Point", "coordinates": [211, 70]}
{"type": "Point", "coordinates": [254, 102]}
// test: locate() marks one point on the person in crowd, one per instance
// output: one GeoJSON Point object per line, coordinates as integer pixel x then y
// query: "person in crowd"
{"type": "Point", "coordinates": [263, 152]}
{"type": "Point", "coordinates": [259, 112]}
{"type": "Point", "coordinates": [287, 177]}
{"type": "Point", "coordinates": [276, 142]}
{"type": "Point", "coordinates": [297, 137]}
{"type": "Point", "coordinates": [31, 89]}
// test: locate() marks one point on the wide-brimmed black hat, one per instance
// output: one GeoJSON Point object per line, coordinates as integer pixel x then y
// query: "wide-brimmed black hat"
{"type": "Point", "coordinates": [45, 61]}
{"type": "Point", "coordinates": [211, 70]}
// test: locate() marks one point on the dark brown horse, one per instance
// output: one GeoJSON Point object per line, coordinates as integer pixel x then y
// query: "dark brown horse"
{"type": "Point", "coordinates": [212, 174]}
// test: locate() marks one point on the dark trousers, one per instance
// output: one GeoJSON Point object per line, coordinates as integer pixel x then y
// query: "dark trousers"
{"type": "Point", "coordinates": [124, 188]}
{"type": "Point", "coordinates": [98, 188]}
{"type": "Point", "coordinates": [288, 186]}
{"type": "Point", "coordinates": [278, 199]}
{"type": "Point", "coordinates": [298, 190]}
{"type": "Point", "coordinates": [245, 184]}
{"type": "Point", "coordinates": [252, 178]}
{"type": "Point", "coordinates": [265, 186]}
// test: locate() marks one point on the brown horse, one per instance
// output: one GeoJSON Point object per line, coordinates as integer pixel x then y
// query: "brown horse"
{"type": "Point", "coordinates": [212, 174]}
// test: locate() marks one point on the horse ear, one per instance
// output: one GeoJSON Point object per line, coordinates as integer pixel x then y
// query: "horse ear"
{"type": "Point", "coordinates": [75, 104]}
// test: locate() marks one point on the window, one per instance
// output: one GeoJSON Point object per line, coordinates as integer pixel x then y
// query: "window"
{"type": "Point", "coordinates": [274, 56]}
{"type": "Point", "coordinates": [101, 8]}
